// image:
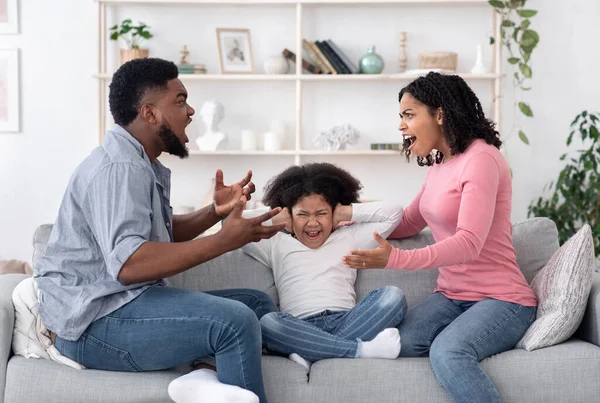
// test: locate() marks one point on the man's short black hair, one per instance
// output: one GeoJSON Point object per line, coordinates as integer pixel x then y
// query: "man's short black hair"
{"type": "Point", "coordinates": [331, 182]}
{"type": "Point", "coordinates": [132, 81]}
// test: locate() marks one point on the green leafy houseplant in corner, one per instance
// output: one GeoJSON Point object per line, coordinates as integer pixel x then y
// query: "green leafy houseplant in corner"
{"type": "Point", "coordinates": [519, 40]}
{"type": "Point", "coordinates": [575, 197]}
{"type": "Point", "coordinates": [132, 35]}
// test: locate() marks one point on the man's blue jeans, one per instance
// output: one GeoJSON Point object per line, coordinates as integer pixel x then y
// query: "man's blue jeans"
{"type": "Point", "coordinates": [457, 335]}
{"type": "Point", "coordinates": [165, 327]}
{"type": "Point", "coordinates": [334, 334]}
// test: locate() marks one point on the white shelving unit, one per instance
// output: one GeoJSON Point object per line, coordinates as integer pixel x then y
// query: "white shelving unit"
{"type": "Point", "coordinates": [494, 78]}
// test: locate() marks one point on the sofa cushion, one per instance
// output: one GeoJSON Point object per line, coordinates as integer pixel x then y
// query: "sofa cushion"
{"type": "Point", "coordinates": [233, 269]}
{"type": "Point", "coordinates": [567, 372]}
{"type": "Point", "coordinates": [562, 288]}
{"type": "Point", "coordinates": [535, 240]}
{"type": "Point", "coordinates": [31, 380]}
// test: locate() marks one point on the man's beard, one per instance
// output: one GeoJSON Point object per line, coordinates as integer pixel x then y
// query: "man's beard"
{"type": "Point", "coordinates": [172, 143]}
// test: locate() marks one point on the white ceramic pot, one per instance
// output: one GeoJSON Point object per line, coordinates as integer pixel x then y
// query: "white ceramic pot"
{"type": "Point", "coordinates": [276, 65]}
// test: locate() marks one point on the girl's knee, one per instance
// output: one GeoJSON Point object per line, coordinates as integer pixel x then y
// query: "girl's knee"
{"type": "Point", "coordinates": [393, 297]}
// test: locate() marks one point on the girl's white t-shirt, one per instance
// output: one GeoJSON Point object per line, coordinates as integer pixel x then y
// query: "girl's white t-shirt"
{"type": "Point", "coordinates": [310, 281]}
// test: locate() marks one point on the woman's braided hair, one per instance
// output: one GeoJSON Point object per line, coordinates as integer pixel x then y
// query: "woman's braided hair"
{"type": "Point", "coordinates": [463, 119]}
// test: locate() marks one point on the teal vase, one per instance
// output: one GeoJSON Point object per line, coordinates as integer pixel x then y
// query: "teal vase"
{"type": "Point", "coordinates": [371, 62]}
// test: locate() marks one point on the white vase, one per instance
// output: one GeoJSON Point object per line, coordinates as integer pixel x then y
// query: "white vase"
{"type": "Point", "coordinates": [479, 67]}
{"type": "Point", "coordinates": [271, 142]}
{"type": "Point", "coordinates": [276, 65]}
{"type": "Point", "coordinates": [249, 140]}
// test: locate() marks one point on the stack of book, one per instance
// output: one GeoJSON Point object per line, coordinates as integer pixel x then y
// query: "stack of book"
{"type": "Point", "coordinates": [191, 69]}
{"type": "Point", "coordinates": [329, 58]}
{"type": "Point", "coordinates": [386, 146]}
{"type": "Point", "coordinates": [325, 58]}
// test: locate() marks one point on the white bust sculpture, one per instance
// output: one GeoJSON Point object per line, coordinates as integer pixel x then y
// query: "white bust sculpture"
{"type": "Point", "coordinates": [212, 113]}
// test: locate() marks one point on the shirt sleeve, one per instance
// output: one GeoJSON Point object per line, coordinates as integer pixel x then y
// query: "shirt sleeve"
{"type": "Point", "coordinates": [376, 216]}
{"type": "Point", "coordinates": [118, 207]}
{"type": "Point", "coordinates": [412, 221]}
{"type": "Point", "coordinates": [479, 183]}
{"type": "Point", "coordinates": [260, 250]}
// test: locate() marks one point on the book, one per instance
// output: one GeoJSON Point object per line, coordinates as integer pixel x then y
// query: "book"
{"type": "Point", "coordinates": [332, 60]}
{"type": "Point", "coordinates": [351, 66]}
{"type": "Point", "coordinates": [305, 65]}
{"type": "Point", "coordinates": [336, 59]}
{"type": "Point", "coordinates": [323, 58]}
{"type": "Point", "coordinates": [386, 146]}
{"type": "Point", "coordinates": [316, 59]}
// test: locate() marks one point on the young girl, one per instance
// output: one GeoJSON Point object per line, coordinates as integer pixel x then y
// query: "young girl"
{"type": "Point", "coordinates": [319, 316]}
{"type": "Point", "coordinates": [482, 305]}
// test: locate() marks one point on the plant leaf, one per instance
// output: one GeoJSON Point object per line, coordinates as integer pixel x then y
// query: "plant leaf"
{"type": "Point", "coordinates": [508, 23]}
{"type": "Point", "coordinates": [492, 40]}
{"type": "Point", "coordinates": [525, 24]}
{"type": "Point", "coordinates": [525, 69]}
{"type": "Point", "coordinates": [594, 134]}
{"type": "Point", "coordinates": [525, 109]}
{"type": "Point", "coordinates": [114, 36]}
{"type": "Point", "coordinates": [529, 39]}
{"type": "Point", "coordinates": [527, 13]}
{"type": "Point", "coordinates": [513, 60]}
{"type": "Point", "coordinates": [496, 3]}
{"type": "Point", "coordinates": [523, 137]}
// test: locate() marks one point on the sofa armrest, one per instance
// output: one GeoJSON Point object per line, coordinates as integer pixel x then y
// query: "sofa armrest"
{"type": "Point", "coordinates": [590, 326]}
{"type": "Point", "coordinates": [7, 321]}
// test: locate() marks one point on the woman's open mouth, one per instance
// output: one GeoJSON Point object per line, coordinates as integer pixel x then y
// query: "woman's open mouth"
{"type": "Point", "coordinates": [408, 141]}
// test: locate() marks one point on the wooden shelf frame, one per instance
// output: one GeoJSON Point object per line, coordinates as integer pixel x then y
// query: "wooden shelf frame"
{"type": "Point", "coordinates": [494, 77]}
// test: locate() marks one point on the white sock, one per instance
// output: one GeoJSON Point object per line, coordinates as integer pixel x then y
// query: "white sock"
{"type": "Point", "coordinates": [299, 360]}
{"type": "Point", "coordinates": [202, 386]}
{"type": "Point", "coordinates": [385, 345]}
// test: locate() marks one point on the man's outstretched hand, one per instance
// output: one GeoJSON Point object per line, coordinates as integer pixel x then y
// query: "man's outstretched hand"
{"type": "Point", "coordinates": [226, 197]}
{"type": "Point", "coordinates": [237, 231]}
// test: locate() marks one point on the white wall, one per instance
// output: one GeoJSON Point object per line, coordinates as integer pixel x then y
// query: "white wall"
{"type": "Point", "coordinates": [58, 42]}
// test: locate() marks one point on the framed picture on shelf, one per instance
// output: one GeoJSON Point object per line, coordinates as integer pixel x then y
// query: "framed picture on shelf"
{"type": "Point", "coordinates": [9, 90]}
{"type": "Point", "coordinates": [9, 17]}
{"type": "Point", "coordinates": [235, 51]}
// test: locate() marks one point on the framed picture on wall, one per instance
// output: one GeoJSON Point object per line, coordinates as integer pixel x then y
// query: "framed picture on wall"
{"type": "Point", "coordinates": [9, 17]}
{"type": "Point", "coordinates": [9, 90]}
{"type": "Point", "coordinates": [235, 51]}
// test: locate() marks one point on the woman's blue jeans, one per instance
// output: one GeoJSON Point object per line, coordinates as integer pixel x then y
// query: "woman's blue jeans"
{"type": "Point", "coordinates": [165, 327]}
{"type": "Point", "coordinates": [457, 335]}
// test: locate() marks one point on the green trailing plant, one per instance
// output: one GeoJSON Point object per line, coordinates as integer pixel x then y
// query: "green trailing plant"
{"type": "Point", "coordinates": [575, 198]}
{"type": "Point", "coordinates": [519, 40]}
{"type": "Point", "coordinates": [131, 34]}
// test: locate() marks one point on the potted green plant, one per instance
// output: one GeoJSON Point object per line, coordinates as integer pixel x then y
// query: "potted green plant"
{"type": "Point", "coordinates": [575, 198]}
{"type": "Point", "coordinates": [133, 36]}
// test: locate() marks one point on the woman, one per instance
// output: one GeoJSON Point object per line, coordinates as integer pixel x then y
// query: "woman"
{"type": "Point", "coordinates": [482, 304]}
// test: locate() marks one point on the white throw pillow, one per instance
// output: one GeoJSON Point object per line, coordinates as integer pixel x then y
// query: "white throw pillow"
{"type": "Point", "coordinates": [562, 287]}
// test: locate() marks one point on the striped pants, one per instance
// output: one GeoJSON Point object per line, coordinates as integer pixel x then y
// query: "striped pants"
{"type": "Point", "coordinates": [334, 334]}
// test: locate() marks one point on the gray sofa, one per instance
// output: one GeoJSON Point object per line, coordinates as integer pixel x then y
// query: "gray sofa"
{"type": "Point", "coordinates": [569, 372]}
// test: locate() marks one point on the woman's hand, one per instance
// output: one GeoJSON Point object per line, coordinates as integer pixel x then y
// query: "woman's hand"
{"type": "Point", "coordinates": [370, 259]}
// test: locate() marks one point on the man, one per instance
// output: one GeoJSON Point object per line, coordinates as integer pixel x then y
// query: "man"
{"type": "Point", "coordinates": [115, 239]}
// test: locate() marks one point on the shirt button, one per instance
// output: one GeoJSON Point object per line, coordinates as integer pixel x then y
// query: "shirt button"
{"type": "Point", "coordinates": [168, 224]}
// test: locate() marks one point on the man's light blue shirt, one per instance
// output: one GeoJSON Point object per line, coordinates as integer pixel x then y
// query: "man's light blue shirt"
{"type": "Point", "coordinates": [115, 201]}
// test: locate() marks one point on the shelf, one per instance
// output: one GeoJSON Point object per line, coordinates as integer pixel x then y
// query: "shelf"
{"type": "Point", "coordinates": [294, 2]}
{"type": "Point", "coordinates": [310, 77]}
{"type": "Point", "coordinates": [293, 152]}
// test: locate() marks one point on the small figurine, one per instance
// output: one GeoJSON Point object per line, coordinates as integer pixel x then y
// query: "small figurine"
{"type": "Point", "coordinates": [183, 60]}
